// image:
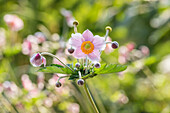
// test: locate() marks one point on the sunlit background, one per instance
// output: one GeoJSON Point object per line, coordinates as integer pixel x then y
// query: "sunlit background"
{"type": "Point", "coordinates": [142, 28]}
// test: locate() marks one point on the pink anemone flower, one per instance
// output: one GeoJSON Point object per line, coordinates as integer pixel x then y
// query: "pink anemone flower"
{"type": "Point", "coordinates": [37, 60]}
{"type": "Point", "coordinates": [87, 45]}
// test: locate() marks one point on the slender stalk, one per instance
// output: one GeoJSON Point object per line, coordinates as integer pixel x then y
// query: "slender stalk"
{"type": "Point", "coordinates": [46, 53]}
{"type": "Point", "coordinates": [90, 98]}
{"type": "Point", "coordinates": [75, 28]}
{"type": "Point", "coordinates": [79, 74]}
{"type": "Point", "coordinates": [107, 33]}
{"type": "Point", "coordinates": [61, 78]}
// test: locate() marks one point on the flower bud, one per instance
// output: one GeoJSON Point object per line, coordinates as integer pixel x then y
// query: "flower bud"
{"type": "Point", "coordinates": [37, 60]}
{"type": "Point", "coordinates": [77, 65]}
{"type": "Point", "coordinates": [58, 84]}
{"type": "Point", "coordinates": [71, 50]}
{"type": "Point", "coordinates": [97, 65]}
{"type": "Point", "coordinates": [80, 82]}
{"type": "Point", "coordinates": [115, 45]}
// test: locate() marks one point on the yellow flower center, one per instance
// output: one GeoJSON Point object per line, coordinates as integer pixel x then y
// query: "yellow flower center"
{"type": "Point", "coordinates": [87, 47]}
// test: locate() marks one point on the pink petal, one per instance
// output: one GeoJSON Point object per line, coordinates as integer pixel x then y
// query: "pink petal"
{"type": "Point", "coordinates": [99, 43]}
{"type": "Point", "coordinates": [36, 60]}
{"type": "Point", "coordinates": [88, 35]}
{"type": "Point", "coordinates": [79, 54]}
{"type": "Point", "coordinates": [76, 40]}
{"type": "Point", "coordinates": [94, 56]}
{"type": "Point", "coordinates": [44, 61]}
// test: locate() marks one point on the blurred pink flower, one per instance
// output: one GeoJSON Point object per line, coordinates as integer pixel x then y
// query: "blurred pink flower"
{"type": "Point", "coordinates": [40, 80]}
{"type": "Point", "coordinates": [13, 22]}
{"type": "Point", "coordinates": [74, 108]}
{"type": "Point", "coordinates": [130, 46]}
{"type": "Point", "coordinates": [87, 45]}
{"type": "Point", "coordinates": [37, 60]}
{"type": "Point", "coordinates": [48, 102]}
{"type": "Point", "coordinates": [145, 50]}
{"type": "Point", "coordinates": [69, 17]}
{"type": "Point", "coordinates": [123, 99]}
{"type": "Point", "coordinates": [10, 89]}
{"type": "Point", "coordinates": [26, 47]}
{"type": "Point", "coordinates": [1, 88]}
{"type": "Point", "coordinates": [2, 38]}
{"type": "Point", "coordinates": [40, 37]}
{"type": "Point", "coordinates": [27, 83]}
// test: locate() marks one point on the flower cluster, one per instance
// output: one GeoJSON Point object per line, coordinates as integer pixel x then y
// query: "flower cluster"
{"type": "Point", "coordinates": [87, 49]}
{"type": "Point", "coordinates": [128, 53]}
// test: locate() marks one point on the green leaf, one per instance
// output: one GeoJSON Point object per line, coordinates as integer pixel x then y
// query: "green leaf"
{"type": "Point", "coordinates": [55, 68]}
{"type": "Point", "coordinates": [112, 68]}
{"type": "Point", "coordinates": [57, 65]}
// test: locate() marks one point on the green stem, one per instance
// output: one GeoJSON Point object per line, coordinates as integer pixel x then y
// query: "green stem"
{"type": "Point", "coordinates": [46, 53]}
{"type": "Point", "coordinates": [90, 97]}
{"type": "Point", "coordinates": [61, 78]}
{"type": "Point", "coordinates": [107, 33]}
{"type": "Point", "coordinates": [13, 106]}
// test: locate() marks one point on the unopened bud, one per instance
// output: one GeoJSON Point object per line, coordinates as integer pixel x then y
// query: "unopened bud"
{"type": "Point", "coordinates": [97, 65]}
{"type": "Point", "coordinates": [71, 50]}
{"type": "Point", "coordinates": [58, 84]}
{"type": "Point", "coordinates": [115, 45]}
{"type": "Point", "coordinates": [80, 82]}
{"type": "Point", "coordinates": [77, 65]}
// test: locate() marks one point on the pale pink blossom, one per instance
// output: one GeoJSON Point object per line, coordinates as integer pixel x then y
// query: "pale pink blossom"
{"type": "Point", "coordinates": [37, 60]}
{"type": "Point", "coordinates": [130, 46]}
{"type": "Point", "coordinates": [13, 22]}
{"type": "Point", "coordinates": [2, 38]}
{"type": "Point", "coordinates": [40, 37]}
{"type": "Point", "coordinates": [69, 17]}
{"type": "Point", "coordinates": [27, 47]}
{"type": "Point", "coordinates": [74, 108]}
{"type": "Point", "coordinates": [87, 45]}
{"type": "Point", "coordinates": [145, 50]}
{"type": "Point", "coordinates": [48, 102]}
{"type": "Point", "coordinates": [26, 82]}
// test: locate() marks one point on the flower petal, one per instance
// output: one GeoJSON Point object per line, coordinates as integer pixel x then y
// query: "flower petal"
{"type": "Point", "coordinates": [88, 35]}
{"type": "Point", "coordinates": [94, 56]}
{"type": "Point", "coordinates": [99, 42]}
{"type": "Point", "coordinates": [44, 61]}
{"type": "Point", "coordinates": [79, 54]}
{"type": "Point", "coordinates": [76, 40]}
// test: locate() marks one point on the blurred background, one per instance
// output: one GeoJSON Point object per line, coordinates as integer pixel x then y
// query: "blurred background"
{"type": "Point", "coordinates": [142, 28]}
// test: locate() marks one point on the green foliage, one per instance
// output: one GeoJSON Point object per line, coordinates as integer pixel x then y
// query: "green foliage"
{"type": "Point", "coordinates": [55, 68]}
{"type": "Point", "coordinates": [111, 68]}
